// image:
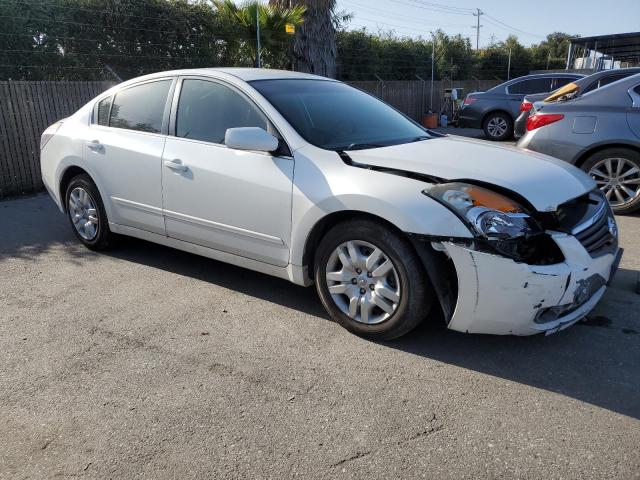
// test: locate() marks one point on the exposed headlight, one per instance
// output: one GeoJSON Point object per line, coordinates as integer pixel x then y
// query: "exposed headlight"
{"type": "Point", "coordinates": [488, 214]}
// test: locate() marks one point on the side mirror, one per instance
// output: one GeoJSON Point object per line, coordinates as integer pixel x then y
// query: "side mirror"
{"type": "Point", "coordinates": [250, 138]}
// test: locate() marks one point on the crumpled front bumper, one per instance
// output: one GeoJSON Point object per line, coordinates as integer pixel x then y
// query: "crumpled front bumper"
{"type": "Point", "coordinates": [497, 295]}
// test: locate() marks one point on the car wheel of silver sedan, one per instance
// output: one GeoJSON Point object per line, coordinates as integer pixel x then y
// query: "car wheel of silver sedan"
{"type": "Point", "coordinates": [86, 213]}
{"type": "Point", "coordinates": [370, 280]}
{"type": "Point", "coordinates": [616, 171]}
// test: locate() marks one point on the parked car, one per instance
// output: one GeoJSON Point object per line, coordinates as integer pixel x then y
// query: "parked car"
{"type": "Point", "coordinates": [308, 179]}
{"type": "Point", "coordinates": [569, 91]}
{"type": "Point", "coordinates": [496, 109]}
{"type": "Point", "coordinates": [598, 132]}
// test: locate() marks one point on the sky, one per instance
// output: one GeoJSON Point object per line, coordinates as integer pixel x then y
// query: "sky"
{"type": "Point", "coordinates": [530, 20]}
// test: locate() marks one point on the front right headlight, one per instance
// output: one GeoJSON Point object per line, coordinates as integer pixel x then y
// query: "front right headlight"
{"type": "Point", "coordinates": [494, 219]}
{"type": "Point", "coordinates": [487, 213]}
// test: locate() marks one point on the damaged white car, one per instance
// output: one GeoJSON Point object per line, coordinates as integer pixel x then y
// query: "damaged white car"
{"type": "Point", "coordinates": [308, 179]}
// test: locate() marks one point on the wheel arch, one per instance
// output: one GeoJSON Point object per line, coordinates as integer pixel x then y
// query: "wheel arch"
{"type": "Point", "coordinates": [437, 270]}
{"type": "Point", "coordinates": [322, 226]}
{"type": "Point", "coordinates": [593, 149]}
{"type": "Point", "coordinates": [496, 110]}
{"type": "Point", "coordinates": [68, 174]}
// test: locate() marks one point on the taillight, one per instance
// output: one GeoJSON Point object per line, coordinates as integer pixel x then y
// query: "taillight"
{"type": "Point", "coordinates": [48, 133]}
{"type": "Point", "coordinates": [469, 100]}
{"type": "Point", "coordinates": [526, 106]}
{"type": "Point", "coordinates": [538, 120]}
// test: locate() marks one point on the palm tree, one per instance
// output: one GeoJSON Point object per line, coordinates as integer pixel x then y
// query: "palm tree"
{"type": "Point", "coordinates": [274, 40]}
{"type": "Point", "coordinates": [315, 48]}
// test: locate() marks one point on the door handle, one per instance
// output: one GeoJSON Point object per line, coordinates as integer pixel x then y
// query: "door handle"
{"type": "Point", "coordinates": [176, 165]}
{"type": "Point", "coordinates": [95, 145]}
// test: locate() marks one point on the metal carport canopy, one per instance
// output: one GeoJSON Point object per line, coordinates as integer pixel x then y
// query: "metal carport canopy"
{"type": "Point", "coordinates": [621, 46]}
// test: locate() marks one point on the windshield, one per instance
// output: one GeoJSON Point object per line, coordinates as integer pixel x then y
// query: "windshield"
{"type": "Point", "coordinates": [335, 116]}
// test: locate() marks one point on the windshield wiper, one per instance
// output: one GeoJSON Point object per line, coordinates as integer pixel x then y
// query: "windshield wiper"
{"type": "Point", "coordinates": [420, 138]}
{"type": "Point", "coordinates": [361, 146]}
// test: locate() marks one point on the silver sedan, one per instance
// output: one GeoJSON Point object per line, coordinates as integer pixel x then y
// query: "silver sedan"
{"type": "Point", "coordinates": [598, 132]}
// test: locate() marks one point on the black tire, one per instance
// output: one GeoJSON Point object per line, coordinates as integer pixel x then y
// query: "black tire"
{"type": "Point", "coordinates": [631, 156]}
{"type": "Point", "coordinates": [416, 293]}
{"type": "Point", "coordinates": [103, 239]}
{"type": "Point", "coordinates": [498, 117]}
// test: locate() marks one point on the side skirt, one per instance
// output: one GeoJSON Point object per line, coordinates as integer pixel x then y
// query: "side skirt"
{"type": "Point", "coordinates": [293, 273]}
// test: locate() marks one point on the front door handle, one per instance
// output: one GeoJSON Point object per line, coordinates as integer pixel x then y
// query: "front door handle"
{"type": "Point", "coordinates": [95, 145]}
{"type": "Point", "coordinates": [176, 165]}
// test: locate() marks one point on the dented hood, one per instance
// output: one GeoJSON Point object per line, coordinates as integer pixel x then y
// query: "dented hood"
{"type": "Point", "coordinates": [544, 181]}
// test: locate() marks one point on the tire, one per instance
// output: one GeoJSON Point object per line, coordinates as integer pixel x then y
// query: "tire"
{"type": "Point", "coordinates": [498, 126]}
{"type": "Point", "coordinates": [406, 279]}
{"type": "Point", "coordinates": [97, 235]}
{"type": "Point", "coordinates": [614, 182]}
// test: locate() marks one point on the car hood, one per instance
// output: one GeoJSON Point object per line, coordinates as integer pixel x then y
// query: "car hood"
{"type": "Point", "coordinates": [544, 181]}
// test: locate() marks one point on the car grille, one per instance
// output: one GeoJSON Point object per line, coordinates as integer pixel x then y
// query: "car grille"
{"type": "Point", "coordinates": [598, 234]}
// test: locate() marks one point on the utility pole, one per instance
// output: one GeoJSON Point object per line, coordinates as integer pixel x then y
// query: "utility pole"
{"type": "Point", "coordinates": [509, 66]}
{"type": "Point", "coordinates": [433, 60]}
{"type": "Point", "coordinates": [477, 27]}
{"type": "Point", "coordinates": [258, 35]}
{"type": "Point", "coordinates": [548, 59]}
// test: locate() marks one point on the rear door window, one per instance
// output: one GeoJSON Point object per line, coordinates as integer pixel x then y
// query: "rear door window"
{"type": "Point", "coordinates": [604, 81]}
{"type": "Point", "coordinates": [561, 82]}
{"type": "Point", "coordinates": [527, 87]}
{"type": "Point", "coordinates": [140, 107]}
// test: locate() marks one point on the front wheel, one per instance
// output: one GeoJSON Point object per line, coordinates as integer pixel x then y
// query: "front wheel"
{"type": "Point", "coordinates": [371, 281]}
{"type": "Point", "coordinates": [498, 126]}
{"type": "Point", "coordinates": [617, 173]}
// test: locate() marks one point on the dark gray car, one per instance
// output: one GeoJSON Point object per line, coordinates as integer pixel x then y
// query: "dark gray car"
{"type": "Point", "coordinates": [585, 85]}
{"type": "Point", "coordinates": [598, 132]}
{"type": "Point", "coordinates": [496, 109]}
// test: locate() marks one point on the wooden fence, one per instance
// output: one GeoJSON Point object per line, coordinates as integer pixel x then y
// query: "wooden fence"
{"type": "Point", "coordinates": [27, 108]}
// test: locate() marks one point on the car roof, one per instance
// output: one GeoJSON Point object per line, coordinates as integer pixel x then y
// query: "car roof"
{"type": "Point", "coordinates": [245, 74]}
{"type": "Point", "coordinates": [614, 94]}
{"type": "Point", "coordinates": [605, 73]}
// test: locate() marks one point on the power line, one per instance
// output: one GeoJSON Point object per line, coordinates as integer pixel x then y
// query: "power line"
{"type": "Point", "coordinates": [511, 28]}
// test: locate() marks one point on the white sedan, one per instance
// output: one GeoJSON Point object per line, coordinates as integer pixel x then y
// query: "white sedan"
{"type": "Point", "coordinates": [308, 179]}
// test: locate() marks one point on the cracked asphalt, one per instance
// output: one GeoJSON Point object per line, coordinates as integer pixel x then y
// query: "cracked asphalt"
{"type": "Point", "coordinates": [145, 362]}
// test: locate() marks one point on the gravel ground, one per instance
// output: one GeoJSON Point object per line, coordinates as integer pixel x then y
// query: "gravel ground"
{"type": "Point", "coordinates": [146, 362]}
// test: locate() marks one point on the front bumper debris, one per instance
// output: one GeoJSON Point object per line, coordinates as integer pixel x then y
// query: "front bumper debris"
{"type": "Point", "coordinates": [497, 295]}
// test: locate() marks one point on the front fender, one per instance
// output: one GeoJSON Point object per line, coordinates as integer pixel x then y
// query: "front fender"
{"type": "Point", "coordinates": [333, 186]}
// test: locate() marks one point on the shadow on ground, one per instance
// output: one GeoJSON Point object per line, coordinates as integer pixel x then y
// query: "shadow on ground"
{"type": "Point", "coordinates": [597, 361]}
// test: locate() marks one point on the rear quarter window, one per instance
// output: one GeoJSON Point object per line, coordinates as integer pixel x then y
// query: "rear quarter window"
{"type": "Point", "coordinates": [101, 111]}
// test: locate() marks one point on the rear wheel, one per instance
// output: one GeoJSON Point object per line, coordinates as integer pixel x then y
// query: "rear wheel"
{"type": "Point", "coordinates": [86, 213]}
{"type": "Point", "coordinates": [370, 280]}
{"type": "Point", "coordinates": [498, 126]}
{"type": "Point", "coordinates": [617, 173]}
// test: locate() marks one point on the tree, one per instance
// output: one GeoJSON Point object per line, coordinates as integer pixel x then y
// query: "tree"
{"type": "Point", "coordinates": [274, 40]}
{"type": "Point", "coordinates": [315, 48]}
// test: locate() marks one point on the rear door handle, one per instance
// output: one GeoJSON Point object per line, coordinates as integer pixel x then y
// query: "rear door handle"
{"type": "Point", "coordinates": [95, 145]}
{"type": "Point", "coordinates": [176, 165]}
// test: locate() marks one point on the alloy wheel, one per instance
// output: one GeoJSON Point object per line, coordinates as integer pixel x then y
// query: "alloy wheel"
{"type": "Point", "coordinates": [83, 213]}
{"type": "Point", "coordinates": [363, 282]}
{"type": "Point", "coordinates": [618, 178]}
{"type": "Point", "coordinates": [497, 126]}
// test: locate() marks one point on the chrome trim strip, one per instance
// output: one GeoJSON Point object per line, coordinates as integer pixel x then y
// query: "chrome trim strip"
{"type": "Point", "coordinates": [590, 221]}
{"type": "Point", "coordinates": [138, 206]}
{"type": "Point", "coordinates": [221, 226]}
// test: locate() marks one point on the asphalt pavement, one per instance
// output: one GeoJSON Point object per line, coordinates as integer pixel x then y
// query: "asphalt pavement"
{"type": "Point", "coordinates": [146, 362]}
